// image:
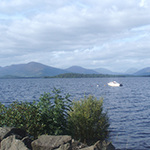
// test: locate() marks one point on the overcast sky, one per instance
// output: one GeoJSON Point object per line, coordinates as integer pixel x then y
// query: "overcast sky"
{"type": "Point", "coordinates": [111, 34]}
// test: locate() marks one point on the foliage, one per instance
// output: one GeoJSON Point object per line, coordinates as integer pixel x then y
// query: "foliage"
{"type": "Point", "coordinates": [77, 75]}
{"type": "Point", "coordinates": [47, 116]}
{"type": "Point", "coordinates": [53, 109]}
{"type": "Point", "coordinates": [23, 115]}
{"type": "Point", "coordinates": [55, 114]}
{"type": "Point", "coordinates": [87, 120]}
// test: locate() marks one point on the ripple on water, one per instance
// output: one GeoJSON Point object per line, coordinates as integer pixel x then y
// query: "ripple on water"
{"type": "Point", "coordinates": [128, 106]}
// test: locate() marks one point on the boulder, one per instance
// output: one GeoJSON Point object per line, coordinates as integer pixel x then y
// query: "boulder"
{"type": "Point", "coordinates": [100, 146]}
{"type": "Point", "coordinates": [49, 142]}
{"type": "Point", "coordinates": [7, 131]}
{"type": "Point", "coordinates": [66, 146]}
{"type": "Point", "coordinates": [77, 145]}
{"type": "Point", "coordinates": [27, 141]}
{"type": "Point", "coordinates": [13, 135]}
{"type": "Point", "coordinates": [11, 143]}
{"type": "Point", "coordinates": [4, 131]}
{"type": "Point", "coordinates": [16, 139]}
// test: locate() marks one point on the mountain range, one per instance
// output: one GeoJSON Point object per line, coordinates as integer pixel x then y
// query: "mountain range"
{"type": "Point", "coordinates": [32, 69]}
{"type": "Point", "coordinates": [35, 69]}
{"type": "Point", "coordinates": [78, 69]}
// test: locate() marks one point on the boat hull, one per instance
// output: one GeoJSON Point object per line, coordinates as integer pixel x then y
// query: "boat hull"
{"type": "Point", "coordinates": [114, 84]}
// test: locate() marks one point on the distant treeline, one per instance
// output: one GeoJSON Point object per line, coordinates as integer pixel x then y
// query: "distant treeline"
{"type": "Point", "coordinates": [76, 75]}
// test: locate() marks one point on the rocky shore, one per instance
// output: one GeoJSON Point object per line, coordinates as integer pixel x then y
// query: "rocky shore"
{"type": "Point", "coordinates": [17, 139]}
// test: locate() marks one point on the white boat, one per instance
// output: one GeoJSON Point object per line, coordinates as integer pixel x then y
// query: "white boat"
{"type": "Point", "coordinates": [114, 83]}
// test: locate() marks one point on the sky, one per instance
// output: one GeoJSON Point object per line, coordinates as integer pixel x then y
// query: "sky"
{"type": "Point", "coordinates": [111, 34]}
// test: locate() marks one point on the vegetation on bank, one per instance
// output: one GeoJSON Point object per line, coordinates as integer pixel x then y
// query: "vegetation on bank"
{"type": "Point", "coordinates": [56, 114]}
{"type": "Point", "coordinates": [88, 121]}
{"type": "Point", "coordinates": [77, 75]}
{"type": "Point", "coordinates": [74, 75]}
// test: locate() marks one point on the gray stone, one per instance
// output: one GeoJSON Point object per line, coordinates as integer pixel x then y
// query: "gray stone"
{"type": "Point", "coordinates": [104, 145]}
{"type": "Point", "coordinates": [49, 142]}
{"type": "Point", "coordinates": [27, 141]}
{"type": "Point", "coordinates": [7, 131]}
{"type": "Point", "coordinates": [100, 146]}
{"type": "Point", "coordinates": [11, 143]}
{"type": "Point", "coordinates": [77, 145]}
{"type": "Point", "coordinates": [66, 146]}
{"type": "Point", "coordinates": [4, 131]}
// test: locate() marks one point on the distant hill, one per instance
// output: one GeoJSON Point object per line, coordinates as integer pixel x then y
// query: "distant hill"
{"type": "Point", "coordinates": [144, 71]}
{"type": "Point", "coordinates": [131, 71]}
{"type": "Point", "coordinates": [107, 71]}
{"type": "Point", "coordinates": [103, 71]}
{"type": "Point", "coordinates": [78, 69]}
{"type": "Point", "coordinates": [32, 69]}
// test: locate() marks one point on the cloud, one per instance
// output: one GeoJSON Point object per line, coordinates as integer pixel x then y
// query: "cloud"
{"type": "Point", "coordinates": [113, 34]}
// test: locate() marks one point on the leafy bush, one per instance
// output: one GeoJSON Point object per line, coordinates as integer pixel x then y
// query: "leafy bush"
{"type": "Point", "coordinates": [54, 112]}
{"type": "Point", "coordinates": [48, 116]}
{"type": "Point", "coordinates": [23, 115]}
{"type": "Point", "coordinates": [88, 122]}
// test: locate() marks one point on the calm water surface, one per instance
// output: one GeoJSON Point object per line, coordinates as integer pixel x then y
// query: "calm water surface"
{"type": "Point", "coordinates": [128, 106]}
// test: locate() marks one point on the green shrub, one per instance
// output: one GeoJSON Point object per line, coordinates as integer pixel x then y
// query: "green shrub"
{"type": "Point", "coordinates": [88, 122]}
{"type": "Point", "coordinates": [23, 115]}
{"type": "Point", "coordinates": [54, 112]}
{"type": "Point", "coordinates": [2, 113]}
{"type": "Point", "coordinates": [47, 116]}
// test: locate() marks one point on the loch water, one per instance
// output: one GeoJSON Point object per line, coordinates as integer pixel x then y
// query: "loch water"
{"type": "Point", "coordinates": [128, 106]}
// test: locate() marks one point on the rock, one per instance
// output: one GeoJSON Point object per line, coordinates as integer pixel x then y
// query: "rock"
{"type": "Point", "coordinates": [104, 145]}
{"type": "Point", "coordinates": [4, 131]}
{"type": "Point", "coordinates": [66, 146]}
{"type": "Point", "coordinates": [100, 146]}
{"type": "Point", "coordinates": [16, 139]}
{"type": "Point", "coordinates": [49, 142]}
{"type": "Point", "coordinates": [11, 143]}
{"type": "Point", "coordinates": [77, 145]}
{"type": "Point", "coordinates": [7, 131]}
{"type": "Point", "coordinates": [27, 141]}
